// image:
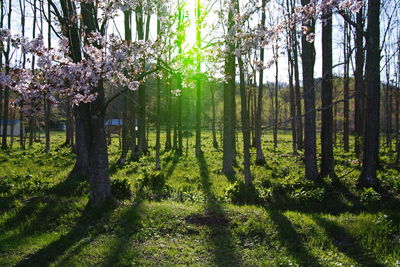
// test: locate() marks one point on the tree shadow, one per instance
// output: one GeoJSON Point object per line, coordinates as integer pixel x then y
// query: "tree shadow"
{"type": "Point", "coordinates": [90, 219]}
{"type": "Point", "coordinates": [346, 243]}
{"type": "Point", "coordinates": [46, 206]}
{"type": "Point", "coordinates": [174, 161]}
{"type": "Point", "coordinates": [217, 221]}
{"type": "Point", "coordinates": [291, 240]}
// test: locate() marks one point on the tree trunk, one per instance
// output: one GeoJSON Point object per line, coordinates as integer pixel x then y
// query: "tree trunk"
{"type": "Point", "coordinates": [300, 144]}
{"type": "Point", "coordinates": [245, 125]}
{"type": "Point", "coordinates": [93, 119]}
{"type": "Point", "coordinates": [168, 113]}
{"type": "Point", "coordinates": [346, 89]}
{"type": "Point", "coordinates": [229, 149]}
{"type": "Point", "coordinates": [359, 86]}
{"type": "Point", "coordinates": [260, 158]}
{"type": "Point", "coordinates": [276, 101]}
{"type": "Point", "coordinates": [327, 160]}
{"type": "Point", "coordinates": [198, 80]}
{"type": "Point", "coordinates": [47, 112]}
{"type": "Point", "coordinates": [371, 137]}
{"type": "Point", "coordinates": [310, 146]}
{"type": "Point", "coordinates": [292, 101]}
{"type": "Point", "coordinates": [158, 104]}
{"type": "Point", "coordinates": [6, 90]}
{"type": "Point", "coordinates": [214, 133]}
{"type": "Point", "coordinates": [125, 125]}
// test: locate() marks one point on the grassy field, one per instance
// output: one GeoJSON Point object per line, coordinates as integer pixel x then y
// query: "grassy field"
{"type": "Point", "coordinates": [190, 214]}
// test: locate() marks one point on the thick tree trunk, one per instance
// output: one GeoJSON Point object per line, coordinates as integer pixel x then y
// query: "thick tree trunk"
{"type": "Point", "coordinates": [327, 160]}
{"type": "Point", "coordinates": [93, 121]}
{"type": "Point", "coordinates": [371, 137]}
{"type": "Point", "coordinates": [310, 146]}
{"type": "Point", "coordinates": [229, 149]}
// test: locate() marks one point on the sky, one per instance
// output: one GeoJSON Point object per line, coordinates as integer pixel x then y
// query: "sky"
{"type": "Point", "coordinates": [211, 18]}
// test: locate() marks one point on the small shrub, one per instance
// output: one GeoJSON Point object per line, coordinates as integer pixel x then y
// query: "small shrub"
{"type": "Point", "coordinates": [369, 196]}
{"type": "Point", "coordinates": [121, 188]}
{"type": "Point", "coordinates": [240, 193]}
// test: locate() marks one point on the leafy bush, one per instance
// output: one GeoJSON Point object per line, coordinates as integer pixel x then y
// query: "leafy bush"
{"type": "Point", "coordinates": [152, 185]}
{"type": "Point", "coordinates": [370, 196]}
{"type": "Point", "coordinates": [121, 188]}
{"type": "Point", "coordinates": [240, 193]}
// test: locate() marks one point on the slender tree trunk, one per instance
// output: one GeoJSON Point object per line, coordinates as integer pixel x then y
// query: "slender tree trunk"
{"type": "Point", "coordinates": [260, 158]}
{"type": "Point", "coordinates": [179, 114]}
{"type": "Point", "coordinates": [359, 86]}
{"type": "Point", "coordinates": [371, 137]}
{"type": "Point", "coordinates": [198, 81]}
{"type": "Point", "coordinates": [300, 144]}
{"type": "Point", "coordinates": [276, 101]}
{"type": "Point", "coordinates": [292, 101]}
{"type": "Point", "coordinates": [214, 132]}
{"type": "Point", "coordinates": [69, 123]}
{"type": "Point", "coordinates": [158, 104]}
{"type": "Point", "coordinates": [142, 143]}
{"type": "Point", "coordinates": [245, 125]}
{"type": "Point", "coordinates": [47, 108]}
{"type": "Point", "coordinates": [12, 127]}
{"type": "Point", "coordinates": [168, 113]}
{"type": "Point", "coordinates": [125, 125]}
{"type": "Point", "coordinates": [346, 89]}
{"type": "Point", "coordinates": [6, 90]}
{"type": "Point", "coordinates": [327, 160]}
{"type": "Point", "coordinates": [310, 146]}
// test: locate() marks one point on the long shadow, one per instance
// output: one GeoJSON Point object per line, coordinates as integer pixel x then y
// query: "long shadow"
{"type": "Point", "coordinates": [171, 168]}
{"type": "Point", "coordinates": [129, 222]}
{"type": "Point", "coordinates": [291, 240]}
{"type": "Point", "coordinates": [346, 243]}
{"type": "Point", "coordinates": [215, 218]}
{"type": "Point", "coordinates": [43, 213]}
{"type": "Point", "coordinates": [43, 207]}
{"type": "Point", "coordinates": [90, 219]}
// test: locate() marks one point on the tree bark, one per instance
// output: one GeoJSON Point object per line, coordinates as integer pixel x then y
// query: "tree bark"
{"type": "Point", "coordinates": [371, 136]}
{"type": "Point", "coordinates": [346, 89]}
{"type": "Point", "coordinates": [359, 86]}
{"type": "Point", "coordinates": [214, 132]}
{"type": "Point", "coordinates": [6, 90]}
{"type": "Point", "coordinates": [327, 160]}
{"type": "Point", "coordinates": [198, 80]}
{"type": "Point", "coordinates": [260, 158]}
{"type": "Point", "coordinates": [276, 100]}
{"type": "Point", "coordinates": [310, 146]}
{"type": "Point", "coordinates": [245, 125]}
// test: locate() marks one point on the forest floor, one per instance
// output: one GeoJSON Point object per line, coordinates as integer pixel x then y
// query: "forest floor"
{"type": "Point", "coordinates": [190, 214]}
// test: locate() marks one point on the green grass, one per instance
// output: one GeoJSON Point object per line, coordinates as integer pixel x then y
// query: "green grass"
{"type": "Point", "coordinates": [191, 214]}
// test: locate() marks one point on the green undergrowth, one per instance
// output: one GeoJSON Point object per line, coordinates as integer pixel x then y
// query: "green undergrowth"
{"type": "Point", "coordinates": [189, 213]}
